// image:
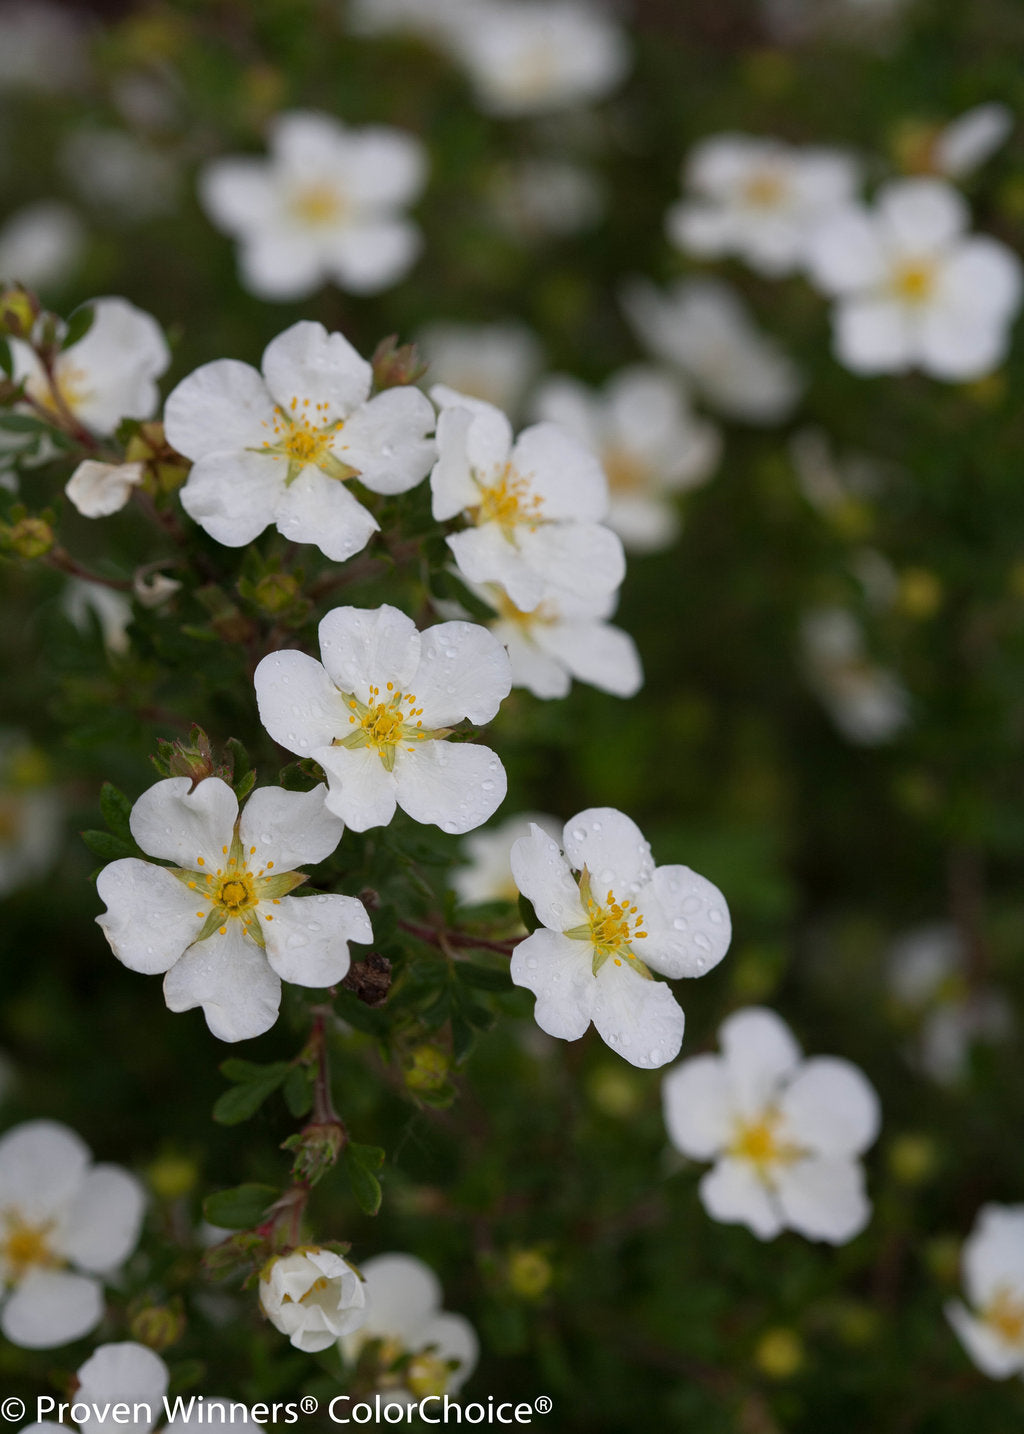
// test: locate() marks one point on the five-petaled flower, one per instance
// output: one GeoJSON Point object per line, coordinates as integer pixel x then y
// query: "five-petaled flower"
{"type": "Point", "coordinates": [992, 1330]}
{"type": "Point", "coordinates": [220, 922]}
{"type": "Point", "coordinates": [313, 1296]}
{"type": "Point", "coordinates": [281, 448]}
{"type": "Point", "coordinates": [64, 1224]}
{"type": "Point", "coordinates": [605, 929]}
{"type": "Point", "coordinates": [784, 1133]}
{"type": "Point", "coordinates": [375, 715]}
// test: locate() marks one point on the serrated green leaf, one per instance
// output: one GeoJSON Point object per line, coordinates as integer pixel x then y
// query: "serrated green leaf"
{"type": "Point", "coordinates": [117, 810]}
{"type": "Point", "coordinates": [107, 846]}
{"type": "Point", "coordinates": [360, 1163]}
{"type": "Point", "coordinates": [239, 1208]}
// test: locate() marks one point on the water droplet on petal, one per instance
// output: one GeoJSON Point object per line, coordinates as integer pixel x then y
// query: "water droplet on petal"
{"type": "Point", "coordinates": [613, 1040]}
{"type": "Point", "coordinates": [312, 926]}
{"type": "Point", "coordinates": [654, 1056]}
{"type": "Point", "coordinates": [265, 837]}
{"type": "Point", "coordinates": [680, 923]}
{"type": "Point", "coordinates": [598, 827]}
{"type": "Point", "coordinates": [606, 876]}
{"type": "Point", "coordinates": [487, 786]}
{"type": "Point", "coordinates": [692, 904]}
{"type": "Point", "coordinates": [715, 916]}
{"type": "Point", "coordinates": [578, 833]}
{"type": "Point", "coordinates": [451, 826]}
{"type": "Point", "coordinates": [295, 940]}
{"type": "Point", "coordinates": [699, 939]}
{"type": "Point", "coordinates": [531, 962]}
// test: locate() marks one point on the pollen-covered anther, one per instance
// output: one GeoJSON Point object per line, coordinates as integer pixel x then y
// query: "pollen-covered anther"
{"type": "Point", "coordinates": [24, 1246]}
{"type": "Point", "coordinates": [508, 500]}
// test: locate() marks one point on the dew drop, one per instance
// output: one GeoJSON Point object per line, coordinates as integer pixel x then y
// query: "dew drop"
{"type": "Point", "coordinates": [487, 786]}
{"type": "Point", "coordinates": [700, 965]}
{"type": "Point", "coordinates": [598, 827]}
{"type": "Point", "coordinates": [451, 827]}
{"type": "Point", "coordinates": [321, 900]}
{"type": "Point", "coordinates": [680, 923]}
{"type": "Point", "coordinates": [613, 1040]}
{"type": "Point", "coordinates": [715, 916]}
{"type": "Point", "coordinates": [578, 833]}
{"type": "Point", "coordinates": [692, 904]}
{"type": "Point", "coordinates": [450, 652]}
{"type": "Point", "coordinates": [531, 962]}
{"type": "Point", "coordinates": [654, 1056]}
{"type": "Point", "coordinates": [265, 837]}
{"type": "Point", "coordinates": [699, 939]}
{"type": "Point", "coordinates": [606, 876]}
{"type": "Point", "coordinates": [295, 940]}
{"type": "Point", "coordinates": [312, 926]}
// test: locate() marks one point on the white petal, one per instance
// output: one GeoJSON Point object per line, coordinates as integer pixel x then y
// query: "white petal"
{"type": "Point", "coordinates": [760, 1051]}
{"type": "Point", "coordinates": [484, 555]}
{"type": "Point", "coordinates": [467, 438]}
{"type": "Point", "coordinates": [845, 253]}
{"type": "Point", "coordinates": [686, 920]}
{"type": "Point", "coordinates": [52, 1307]}
{"type": "Point", "coordinates": [383, 166]}
{"type": "Point", "coordinates": [368, 256]}
{"type": "Point", "coordinates": [922, 215]}
{"type": "Point", "coordinates": [121, 1374]}
{"type": "Point", "coordinates": [320, 510]}
{"type": "Point", "coordinates": [151, 916]}
{"type": "Point", "coordinates": [993, 1253]}
{"type": "Point", "coordinates": [307, 941]}
{"type": "Point", "coordinates": [540, 673]}
{"type": "Point", "coordinates": [831, 1107]}
{"type": "Point", "coordinates": [563, 472]}
{"type": "Point", "coordinates": [234, 496]}
{"type": "Point", "coordinates": [584, 558]}
{"type": "Point", "coordinates": [99, 489]}
{"type": "Point", "coordinates": [823, 1199]}
{"type": "Point", "coordinates": [291, 829]}
{"type": "Point", "coordinates": [637, 1017]}
{"type": "Point", "coordinates": [42, 1166]}
{"type": "Point", "coordinates": [101, 1226]}
{"type": "Point", "coordinates": [542, 874]}
{"type": "Point", "coordinates": [280, 263]}
{"type": "Point", "coordinates": [612, 848]}
{"type": "Point", "coordinates": [732, 1193]}
{"type": "Point", "coordinates": [971, 138]}
{"type": "Point", "coordinates": [298, 703]}
{"type": "Point", "coordinates": [306, 362]}
{"type": "Point", "coordinates": [386, 440]}
{"type": "Point", "coordinates": [873, 336]}
{"type": "Point", "coordinates": [222, 407]}
{"type": "Point", "coordinates": [596, 653]}
{"type": "Point", "coordinates": [463, 672]}
{"type": "Point", "coordinates": [453, 785]}
{"type": "Point", "coordinates": [228, 976]}
{"type": "Point", "coordinates": [958, 345]}
{"type": "Point", "coordinates": [121, 354]}
{"type": "Point", "coordinates": [369, 647]}
{"type": "Point", "coordinates": [173, 822]}
{"type": "Point", "coordinates": [403, 1293]}
{"type": "Point", "coordinates": [558, 972]}
{"type": "Point", "coordinates": [993, 1356]}
{"type": "Point", "coordinates": [983, 278]}
{"type": "Point", "coordinates": [359, 790]}
{"type": "Point", "coordinates": [238, 195]}
{"type": "Point", "coordinates": [452, 1337]}
{"type": "Point", "coordinates": [697, 1102]}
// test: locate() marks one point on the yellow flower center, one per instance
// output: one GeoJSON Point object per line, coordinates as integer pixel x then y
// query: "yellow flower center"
{"type": "Point", "coordinates": [508, 501]}
{"type": "Point", "coordinates": [1006, 1316]}
{"type": "Point", "coordinates": [236, 892]}
{"type": "Point", "coordinates": [426, 1374]}
{"type": "Point", "coordinates": [914, 282]}
{"type": "Point", "coordinates": [386, 723]}
{"type": "Point", "coordinates": [318, 205]}
{"type": "Point", "coordinates": [233, 892]}
{"type": "Point", "coordinates": [610, 928]}
{"type": "Point", "coordinates": [626, 473]}
{"type": "Point", "coordinates": [302, 435]}
{"type": "Point", "coordinates": [762, 1143]}
{"type": "Point", "coordinates": [25, 1246]}
{"type": "Point", "coordinates": [765, 190]}
{"type": "Point", "coordinates": [71, 383]}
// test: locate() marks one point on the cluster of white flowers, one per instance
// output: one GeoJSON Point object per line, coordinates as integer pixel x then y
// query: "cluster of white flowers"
{"type": "Point", "coordinates": [992, 1329]}
{"type": "Point", "coordinates": [784, 1133]}
{"type": "Point", "coordinates": [65, 1226]}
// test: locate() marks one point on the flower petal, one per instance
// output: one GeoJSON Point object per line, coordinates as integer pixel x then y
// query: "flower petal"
{"type": "Point", "coordinates": [823, 1198]}
{"type": "Point", "coordinates": [151, 917]}
{"type": "Point", "coordinates": [173, 822]}
{"type": "Point", "coordinates": [993, 1356]}
{"type": "Point", "coordinates": [485, 555]}
{"type": "Point", "coordinates": [563, 472]}
{"type": "Point", "coordinates": [542, 874]}
{"type": "Point", "coordinates": [99, 489]}
{"type": "Point", "coordinates": [369, 647]}
{"type": "Point", "coordinates": [42, 1166]}
{"type": "Point", "coordinates": [463, 672]}
{"type": "Point", "coordinates": [222, 407]}
{"type": "Point", "coordinates": [733, 1193]}
{"type": "Point", "coordinates": [452, 1338]}
{"type": "Point", "coordinates": [873, 336]}
{"type": "Point", "coordinates": [612, 848]}
{"type": "Point", "coordinates": [320, 510]}
{"type": "Point", "coordinates": [584, 558]}
{"type": "Point", "coordinates": [100, 1227]}
{"type": "Point", "coordinates": [993, 1253]}
{"type": "Point", "coordinates": [290, 829]}
{"type": "Point", "coordinates": [558, 972]}
{"type": "Point", "coordinates": [386, 440]}
{"type": "Point", "coordinates": [402, 1293]}
{"type": "Point", "coordinates": [846, 254]}
{"type": "Point", "coordinates": [125, 1373]}
{"type": "Point", "coordinates": [759, 1051]}
{"type": "Point", "coordinates": [595, 653]}
{"type": "Point", "coordinates": [238, 194]}
{"type": "Point", "coordinates": [382, 167]}
{"type": "Point", "coordinates": [307, 942]}
{"type": "Point", "coordinates": [637, 1017]}
{"type": "Point", "coordinates": [52, 1307]}
{"type": "Point", "coordinates": [306, 363]}
{"type": "Point", "coordinates": [280, 263]}
{"type": "Point", "coordinates": [359, 789]}
{"type": "Point", "coordinates": [831, 1107]}
{"type": "Point", "coordinates": [921, 215]}
{"type": "Point", "coordinates": [370, 255]}
{"type": "Point", "coordinates": [228, 976]}
{"type": "Point", "coordinates": [686, 920]}
{"type": "Point", "coordinates": [233, 496]}
{"type": "Point", "coordinates": [298, 703]}
{"type": "Point", "coordinates": [697, 1102]}
{"type": "Point", "coordinates": [453, 785]}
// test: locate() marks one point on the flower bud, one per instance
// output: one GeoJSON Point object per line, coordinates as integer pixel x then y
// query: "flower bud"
{"type": "Point", "coordinates": [395, 365]}
{"type": "Point", "coordinates": [30, 538]}
{"type": "Point", "coordinates": [313, 1296]}
{"type": "Point", "coordinates": [316, 1148]}
{"type": "Point", "coordinates": [529, 1273]}
{"type": "Point", "coordinates": [779, 1353]}
{"type": "Point", "coordinates": [158, 1326]}
{"type": "Point", "coordinates": [426, 1068]}
{"type": "Point", "coordinates": [275, 592]}
{"type": "Point", "coordinates": [19, 310]}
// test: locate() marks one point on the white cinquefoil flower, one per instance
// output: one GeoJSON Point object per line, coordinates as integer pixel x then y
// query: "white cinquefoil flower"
{"type": "Point", "coordinates": [313, 1296]}
{"type": "Point", "coordinates": [220, 921]}
{"type": "Point", "coordinates": [435, 1352]}
{"type": "Point", "coordinates": [785, 1133]}
{"type": "Point", "coordinates": [992, 1329]}
{"type": "Point", "coordinates": [376, 713]}
{"type": "Point", "coordinates": [487, 875]}
{"type": "Point", "coordinates": [326, 205]}
{"type": "Point", "coordinates": [535, 506]}
{"type": "Point", "coordinates": [913, 289]}
{"type": "Point", "coordinates": [604, 929]}
{"type": "Point", "coordinates": [279, 448]}
{"type": "Point", "coordinates": [108, 375]}
{"type": "Point", "coordinates": [649, 443]}
{"type": "Point", "coordinates": [64, 1224]}
{"type": "Point", "coordinates": [757, 198]}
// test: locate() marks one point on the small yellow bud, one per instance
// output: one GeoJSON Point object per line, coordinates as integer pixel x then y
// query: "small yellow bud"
{"type": "Point", "coordinates": [912, 1158]}
{"type": "Point", "coordinates": [30, 538]}
{"type": "Point", "coordinates": [529, 1273]}
{"type": "Point", "coordinates": [427, 1068]}
{"type": "Point", "coordinates": [779, 1353]}
{"type": "Point", "coordinates": [171, 1176]}
{"type": "Point", "coordinates": [276, 592]}
{"type": "Point", "coordinates": [920, 594]}
{"type": "Point", "coordinates": [18, 312]}
{"type": "Point", "coordinates": [158, 1326]}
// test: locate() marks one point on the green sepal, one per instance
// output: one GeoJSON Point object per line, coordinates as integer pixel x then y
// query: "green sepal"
{"type": "Point", "coordinates": [333, 467]}
{"type": "Point", "coordinates": [270, 887]}
{"type": "Point", "coordinates": [387, 756]}
{"type": "Point", "coordinates": [580, 933]}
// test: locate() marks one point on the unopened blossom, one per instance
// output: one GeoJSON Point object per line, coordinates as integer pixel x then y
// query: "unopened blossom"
{"type": "Point", "coordinates": [41, 245]}
{"type": "Point", "coordinates": [64, 1225]}
{"type": "Point", "coordinates": [280, 447]}
{"type": "Point", "coordinates": [376, 714]}
{"type": "Point", "coordinates": [913, 289]}
{"type": "Point", "coordinates": [991, 1323]}
{"type": "Point", "coordinates": [526, 57]}
{"type": "Point", "coordinates": [757, 198]}
{"type": "Point", "coordinates": [609, 918]}
{"type": "Point", "coordinates": [785, 1133]}
{"type": "Point", "coordinates": [564, 637]}
{"type": "Point", "coordinates": [219, 924]}
{"type": "Point", "coordinates": [487, 875]}
{"type": "Point", "coordinates": [702, 327]}
{"type": "Point", "coordinates": [108, 375]}
{"type": "Point", "coordinates": [867, 702]}
{"type": "Point", "coordinates": [99, 489]}
{"type": "Point", "coordinates": [30, 813]}
{"type": "Point", "coordinates": [313, 1296]}
{"type": "Point", "coordinates": [650, 445]}
{"type": "Point", "coordinates": [422, 1349]}
{"type": "Point", "coordinates": [328, 203]}
{"type": "Point", "coordinates": [534, 505]}
{"type": "Point", "coordinates": [494, 362]}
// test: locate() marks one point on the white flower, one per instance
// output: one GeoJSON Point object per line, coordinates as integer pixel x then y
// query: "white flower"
{"type": "Point", "coordinates": [280, 448]}
{"type": "Point", "coordinates": [600, 935]}
{"type": "Point", "coordinates": [487, 875]}
{"type": "Point", "coordinates": [108, 375]}
{"type": "Point", "coordinates": [376, 713]}
{"type": "Point", "coordinates": [84, 602]}
{"type": "Point", "coordinates": [527, 57]}
{"type": "Point", "coordinates": [758, 198]}
{"type": "Point", "coordinates": [99, 489]}
{"type": "Point", "coordinates": [438, 1350]}
{"type": "Point", "coordinates": [41, 245]}
{"type": "Point", "coordinates": [562, 638]}
{"type": "Point", "coordinates": [494, 362]}
{"type": "Point", "coordinates": [220, 921]}
{"type": "Point", "coordinates": [966, 142]}
{"type": "Point", "coordinates": [702, 327]}
{"type": "Point", "coordinates": [869, 704]}
{"type": "Point", "coordinates": [326, 205]}
{"type": "Point", "coordinates": [535, 505]}
{"type": "Point", "coordinates": [30, 814]}
{"type": "Point", "coordinates": [313, 1296]}
{"type": "Point", "coordinates": [784, 1133]}
{"type": "Point", "coordinates": [545, 195]}
{"type": "Point", "coordinates": [120, 174]}
{"type": "Point", "coordinates": [649, 444]}
{"type": "Point", "coordinates": [992, 1330]}
{"type": "Point", "coordinates": [913, 289]}
{"type": "Point", "coordinates": [64, 1224]}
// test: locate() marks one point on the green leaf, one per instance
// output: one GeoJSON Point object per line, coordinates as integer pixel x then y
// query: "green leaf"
{"type": "Point", "coordinates": [79, 324]}
{"type": "Point", "coordinates": [239, 1208]}
{"type": "Point", "coordinates": [361, 1161]}
{"type": "Point", "coordinates": [106, 845]}
{"type": "Point", "coordinates": [351, 1009]}
{"type": "Point", "coordinates": [117, 810]}
{"type": "Point", "coordinates": [22, 423]}
{"type": "Point", "coordinates": [6, 362]}
{"type": "Point", "coordinates": [298, 1094]}
{"type": "Point", "coordinates": [253, 1084]}
{"type": "Point", "coordinates": [484, 978]}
